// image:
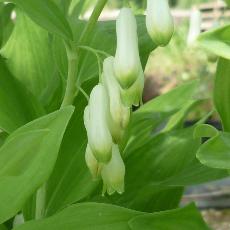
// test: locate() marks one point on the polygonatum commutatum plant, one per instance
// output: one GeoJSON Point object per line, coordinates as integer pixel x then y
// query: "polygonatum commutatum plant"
{"type": "Point", "coordinates": [78, 148]}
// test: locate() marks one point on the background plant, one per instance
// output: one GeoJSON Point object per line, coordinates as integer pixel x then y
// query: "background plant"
{"type": "Point", "coordinates": [215, 152]}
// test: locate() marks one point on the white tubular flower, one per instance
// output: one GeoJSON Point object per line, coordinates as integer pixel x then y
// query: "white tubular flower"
{"type": "Point", "coordinates": [99, 136]}
{"type": "Point", "coordinates": [92, 163]}
{"type": "Point", "coordinates": [113, 173]}
{"type": "Point", "coordinates": [127, 60]}
{"type": "Point", "coordinates": [118, 112]}
{"type": "Point", "coordinates": [194, 26]}
{"type": "Point", "coordinates": [159, 21]}
{"type": "Point", "coordinates": [133, 95]}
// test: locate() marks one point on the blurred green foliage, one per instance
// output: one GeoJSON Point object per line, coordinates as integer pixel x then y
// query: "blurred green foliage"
{"type": "Point", "coordinates": [142, 3]}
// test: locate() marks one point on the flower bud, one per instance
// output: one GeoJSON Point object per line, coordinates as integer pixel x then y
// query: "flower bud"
{"type": "Point", "coordinates": [91, 162]}
{"type": "Point", "coordinates": [133, 95]}
{"type": "Point", "coordinates": [127, 60]}
{"type": "Point", "coordinates": [119, 114]}
{"type": "Point", "coordinates": [99, 137]}
{"type": "Point", "coordinates": [159, 21]}
{"type": "Point", "coordinates": [113, 173]}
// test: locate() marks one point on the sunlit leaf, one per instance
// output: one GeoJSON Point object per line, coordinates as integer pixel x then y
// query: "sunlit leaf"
{"type": "Point", "coordinates": [46, 14]}
{"type": "Point", "coordinates": [30, 59]}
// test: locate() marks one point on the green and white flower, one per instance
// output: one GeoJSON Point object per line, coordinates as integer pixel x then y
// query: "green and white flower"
{"type": "Point", "coordinates": [159, 21]}
{"type": "Point", "coordinates": [127, 61]}
{"type": "Point", "coordinates": [96, 120]}
{"type": "Point", "coordinates": [113, 173]}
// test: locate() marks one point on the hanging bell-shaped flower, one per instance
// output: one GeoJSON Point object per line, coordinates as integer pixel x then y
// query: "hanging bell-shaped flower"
{"type": "Point", "coordinates": [133, 95]}
{"type": "Point", "coordinates": [99, 137]}
{"type": "Point", "coordinates": [159, 21]}
{"type": "Point", "coordinates": [113, 173]}
{"type": "Point", "coordinates": [119, 113]}
{"type": "Point", "coordinates": [127, 60]}
{"type": "Point", "coordinates": [92, 163]}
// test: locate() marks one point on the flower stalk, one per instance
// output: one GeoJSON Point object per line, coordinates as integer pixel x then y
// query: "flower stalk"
{"type": "Point", "coordinates": [71, 85]}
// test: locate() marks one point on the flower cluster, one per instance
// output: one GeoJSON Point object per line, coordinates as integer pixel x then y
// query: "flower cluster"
{"type": "Point", "coordinates": [108, 113]}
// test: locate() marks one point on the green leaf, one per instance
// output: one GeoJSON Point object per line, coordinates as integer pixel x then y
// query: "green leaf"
{"type": "Point", "coordinates": [222, 92]}
{"type": "Point", "coordinates": [2, 227]}
{"type": "Point", "coordinates": [85, 216]}
{"type": "Point", "coordinates": [187, 218]}
{"type": "Point", "coordinates": [26, 160]}
{"type": "Point", "coordinates": [17, 105]}
{"type": "Point", "coordinates": [46, 14]}
{"type": "Point", "coordinates": [217, 41]}
{"type": "Point", "coordinates": [157, 159]}
{"type": "Point", "coordinates": [204, 130]}
{"type": "Point", "coordinates": [171, 101]}
{"type": "Point", "coordinates": [29, 58]}
{"type": "Point", "coordinates": [215, 152]}
{"type": "Point", "coordinates": [195, 173]}
{"type": "Point", "coordinates": [96, 216]}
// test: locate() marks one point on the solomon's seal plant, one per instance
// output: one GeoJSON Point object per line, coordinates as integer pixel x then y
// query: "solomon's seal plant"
{"type": "Point", "coordinates": [78, 147]}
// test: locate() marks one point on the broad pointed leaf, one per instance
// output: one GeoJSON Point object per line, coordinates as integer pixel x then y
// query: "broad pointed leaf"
{"type": "Point", "coordinates": [27, 159]}
{"type": "Point", "coordinates": [104, 217]}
